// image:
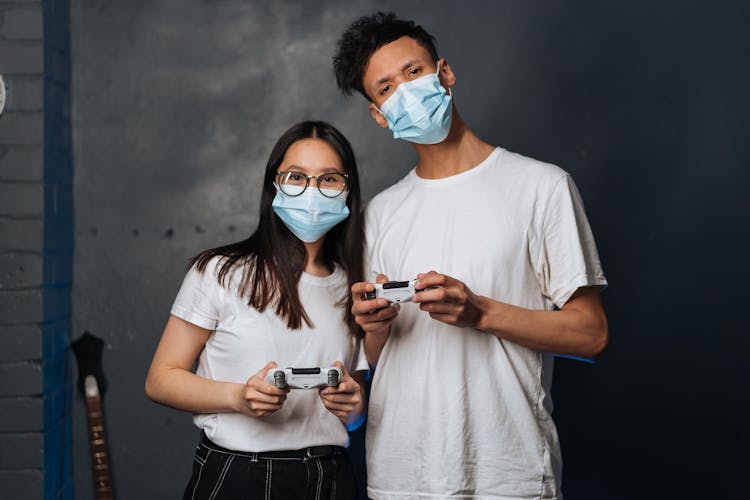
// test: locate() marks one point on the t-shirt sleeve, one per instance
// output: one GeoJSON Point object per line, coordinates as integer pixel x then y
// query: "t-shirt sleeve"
{"type": "Point", "coordinates": [568, 258]}
{"type": "Point", "coordinates": [198, 301]}
{"type": "Point", "coordinates": [360, 361]}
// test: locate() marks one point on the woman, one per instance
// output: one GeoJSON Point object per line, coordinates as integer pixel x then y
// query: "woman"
{"type": "Point", "coordinates": [278, 298]}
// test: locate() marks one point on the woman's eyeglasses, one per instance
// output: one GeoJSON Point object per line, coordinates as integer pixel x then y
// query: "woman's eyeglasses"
{"type": "Point", "coordinates": [330, 184]}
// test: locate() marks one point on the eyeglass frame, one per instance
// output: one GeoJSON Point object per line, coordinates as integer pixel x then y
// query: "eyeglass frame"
{"type": "Point", "coordinates": [279, 173]}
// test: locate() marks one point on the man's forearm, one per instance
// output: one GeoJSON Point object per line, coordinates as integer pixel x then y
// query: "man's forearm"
{"type": "Point", "coordinates": [579, 328]}
{"type": "Point", "coordinates": [373, 344]}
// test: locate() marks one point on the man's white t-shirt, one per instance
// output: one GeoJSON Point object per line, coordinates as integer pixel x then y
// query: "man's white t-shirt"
{"type": "Point", "coordinates": [455, 412]}
{"type": "Point", "coordinates": [244, 340]}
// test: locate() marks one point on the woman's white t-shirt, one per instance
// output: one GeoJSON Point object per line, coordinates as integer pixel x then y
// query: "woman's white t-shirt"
{"type": "Point", "coordinates": [244, 340]}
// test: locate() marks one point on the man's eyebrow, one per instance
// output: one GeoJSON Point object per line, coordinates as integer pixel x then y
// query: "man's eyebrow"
{"type": "Point", "coordinates": [403, 68]}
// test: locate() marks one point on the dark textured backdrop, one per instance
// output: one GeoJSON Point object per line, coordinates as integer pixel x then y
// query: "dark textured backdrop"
{"type": "Point", "coordinates": [176, 105]}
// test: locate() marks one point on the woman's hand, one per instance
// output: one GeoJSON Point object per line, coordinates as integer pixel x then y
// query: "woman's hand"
{"type": "Point", "coordinates": [346, 401]}
{"type": "Point", "coordinates": [258, 398]}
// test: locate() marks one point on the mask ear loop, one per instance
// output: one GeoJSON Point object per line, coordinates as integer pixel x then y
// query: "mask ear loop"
{"type": "Point", "coordinates": [449, 90]}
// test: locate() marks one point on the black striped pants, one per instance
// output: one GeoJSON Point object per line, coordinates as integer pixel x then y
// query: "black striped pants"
{"type": "Point", "coordinates": [219, 473]}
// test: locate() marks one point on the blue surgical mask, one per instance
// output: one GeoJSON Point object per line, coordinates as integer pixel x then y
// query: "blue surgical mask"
{"type": "Point", "coordinates": [419, 111]}
{"type": "Point", "coordinates": [310, 215]}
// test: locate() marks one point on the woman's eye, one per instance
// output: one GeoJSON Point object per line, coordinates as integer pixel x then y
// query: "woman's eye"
{"type": "Point", "coordinates": [295, 177]}
{"type": "Point", "coordinates": [385, 90]}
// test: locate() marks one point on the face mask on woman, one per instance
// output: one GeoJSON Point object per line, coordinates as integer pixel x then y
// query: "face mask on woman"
{"type": "Point", "coordinates": [310, 215]}
{"type": "Point", "coordinates": [419, 111]}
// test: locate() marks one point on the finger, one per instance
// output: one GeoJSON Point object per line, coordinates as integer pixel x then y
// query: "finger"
{"type": "Point", "coordinates": [260, 385]}
{"type": "Point", "coordinates": [432, 295]}
{"type": "Point", "coordinates": [259, 406]}
{"type": "Point", "coordinates": [347, 406]}
{"type": "Point", "coordinates": [348, 386]}
{"type": "Point", "coordinates": [266, 397]}
{"type": "Point", "coordinates": [383, 310]}
{"type": "Point", "coordinates": [367, 306]}
{"type": "Point", "coordinates": [341, 414]}
{"type": "Point", "coordinates": [340, 366]}
{"type": "Point", "coordinates": [379, 318]}
{"type": "Point", "coordinates": [441, 308]}
{"type": "Point", "coordinates": [339, 404]}
{"type": "Point", "coordinates": [341, 399]}
{"type": "Point", "coordinates": [264, 371]}
{"type": "Point", "coordinates": [431, 279]}
{"type": "Point", "coordinates": [359, 289]}
{"type": "Point", "coordinates": [382, 278]}
{"type": "Point", "coordinates": [431, 271]}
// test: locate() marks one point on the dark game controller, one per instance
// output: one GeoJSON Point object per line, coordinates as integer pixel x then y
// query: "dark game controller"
{"type": "Point", "coordinates": [304, 378]}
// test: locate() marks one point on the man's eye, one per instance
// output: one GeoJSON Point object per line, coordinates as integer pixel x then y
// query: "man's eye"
{"type": "Point", "coordinates": [385, 90]}
{"type": "Point", "coordinates": [414, 71]}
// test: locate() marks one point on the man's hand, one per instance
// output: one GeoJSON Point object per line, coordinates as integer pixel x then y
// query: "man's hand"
{"type": "Point", "coordinates": [258, 398]}
{"type": "Point", "coordinates": [345, 400]}
{"type": "Point", "coordinates": [448, 300]}
{"type": "Point", "coordinates": [376, 315]}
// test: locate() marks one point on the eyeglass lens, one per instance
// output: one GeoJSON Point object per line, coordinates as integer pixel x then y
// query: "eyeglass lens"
{"type": "Point", "coordinates": [329, 184]}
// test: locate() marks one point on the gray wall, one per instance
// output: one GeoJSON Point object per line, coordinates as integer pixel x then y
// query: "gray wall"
{"type": "Point", "coordinates": [36, 252]}
{"type": "Point", "coordinates": [176, 105]}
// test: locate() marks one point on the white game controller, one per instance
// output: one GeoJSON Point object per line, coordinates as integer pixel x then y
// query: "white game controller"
{"type": "Point", "coordinates": [304, 378]}
{"type": "Point", "coordinates": [393, 291]}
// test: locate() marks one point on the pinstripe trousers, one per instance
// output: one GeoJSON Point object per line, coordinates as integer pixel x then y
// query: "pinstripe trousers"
{"type": "Point", "coordinates": [223, 474]}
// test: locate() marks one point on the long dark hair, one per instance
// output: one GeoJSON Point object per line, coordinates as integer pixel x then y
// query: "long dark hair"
{"type": "Point", "coordinates": [272, 258]}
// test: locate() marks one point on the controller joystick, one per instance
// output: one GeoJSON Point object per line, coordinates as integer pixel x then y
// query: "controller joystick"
{"type": "Point", "coordinates": [333, 378]}
{"type": "Point", "coordinates": [279, 378]}
{"type": "Point", "coordinates": [304, 378]}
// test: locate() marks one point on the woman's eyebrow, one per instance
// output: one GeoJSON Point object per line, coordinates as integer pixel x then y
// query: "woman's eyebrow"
{"type": "Point", "coordinates": [323, 170]}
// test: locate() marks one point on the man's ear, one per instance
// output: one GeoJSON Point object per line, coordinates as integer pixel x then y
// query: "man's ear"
{"type": "Point", "coordinates": [377, 116]}
{"type": "Point", "coordinates": [447, 77]}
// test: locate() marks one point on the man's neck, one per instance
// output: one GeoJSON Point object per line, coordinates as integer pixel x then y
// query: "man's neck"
{"type": "Point", "coordinates": [460, 151]}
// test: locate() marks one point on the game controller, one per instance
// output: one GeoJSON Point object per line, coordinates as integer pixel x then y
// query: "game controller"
{"type": "Point", "coordinates": [304, 378]}
{"type": "Point", "coordinates": [393, 291]}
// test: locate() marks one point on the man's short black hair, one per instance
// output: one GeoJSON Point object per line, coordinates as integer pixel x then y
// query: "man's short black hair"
{"type": "Point", "coordinates": [366, 35]}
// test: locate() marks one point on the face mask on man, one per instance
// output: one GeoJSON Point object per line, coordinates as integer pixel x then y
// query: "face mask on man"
{"type": "Point", "coordinates": [419, 111]}
{"type": "Point", "coordinates": [310, 215]}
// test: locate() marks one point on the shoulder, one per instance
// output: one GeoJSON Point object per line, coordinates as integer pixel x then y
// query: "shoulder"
{"type": "Point", "coordinates": [531, 170]}
{"type": "Point", "coordinates": [388, 201]}
{"type": "Point", "coordinates": [527, 181]}
{"type": "Point", "coordinates": [393, 193]}
{"type": "Point", "coordinates": [218, 271]}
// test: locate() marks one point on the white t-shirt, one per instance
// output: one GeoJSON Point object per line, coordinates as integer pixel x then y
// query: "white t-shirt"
{"type": "Point", "coordinates": [244, 340]}
{"type": "Point", "coordinates": [455, 412]}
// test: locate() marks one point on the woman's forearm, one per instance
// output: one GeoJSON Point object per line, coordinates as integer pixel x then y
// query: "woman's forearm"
{"type": "Point", "coordinates": [184, 390]}
{"type": "Point", "coordinates": [357, 415]}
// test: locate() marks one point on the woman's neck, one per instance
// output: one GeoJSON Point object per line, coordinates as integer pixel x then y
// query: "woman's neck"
{"type": "Point", "coordinates": [314, 263]}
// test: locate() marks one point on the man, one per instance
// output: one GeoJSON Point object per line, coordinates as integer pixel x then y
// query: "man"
{"type": "Point", "coordinates": [460, 403]}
